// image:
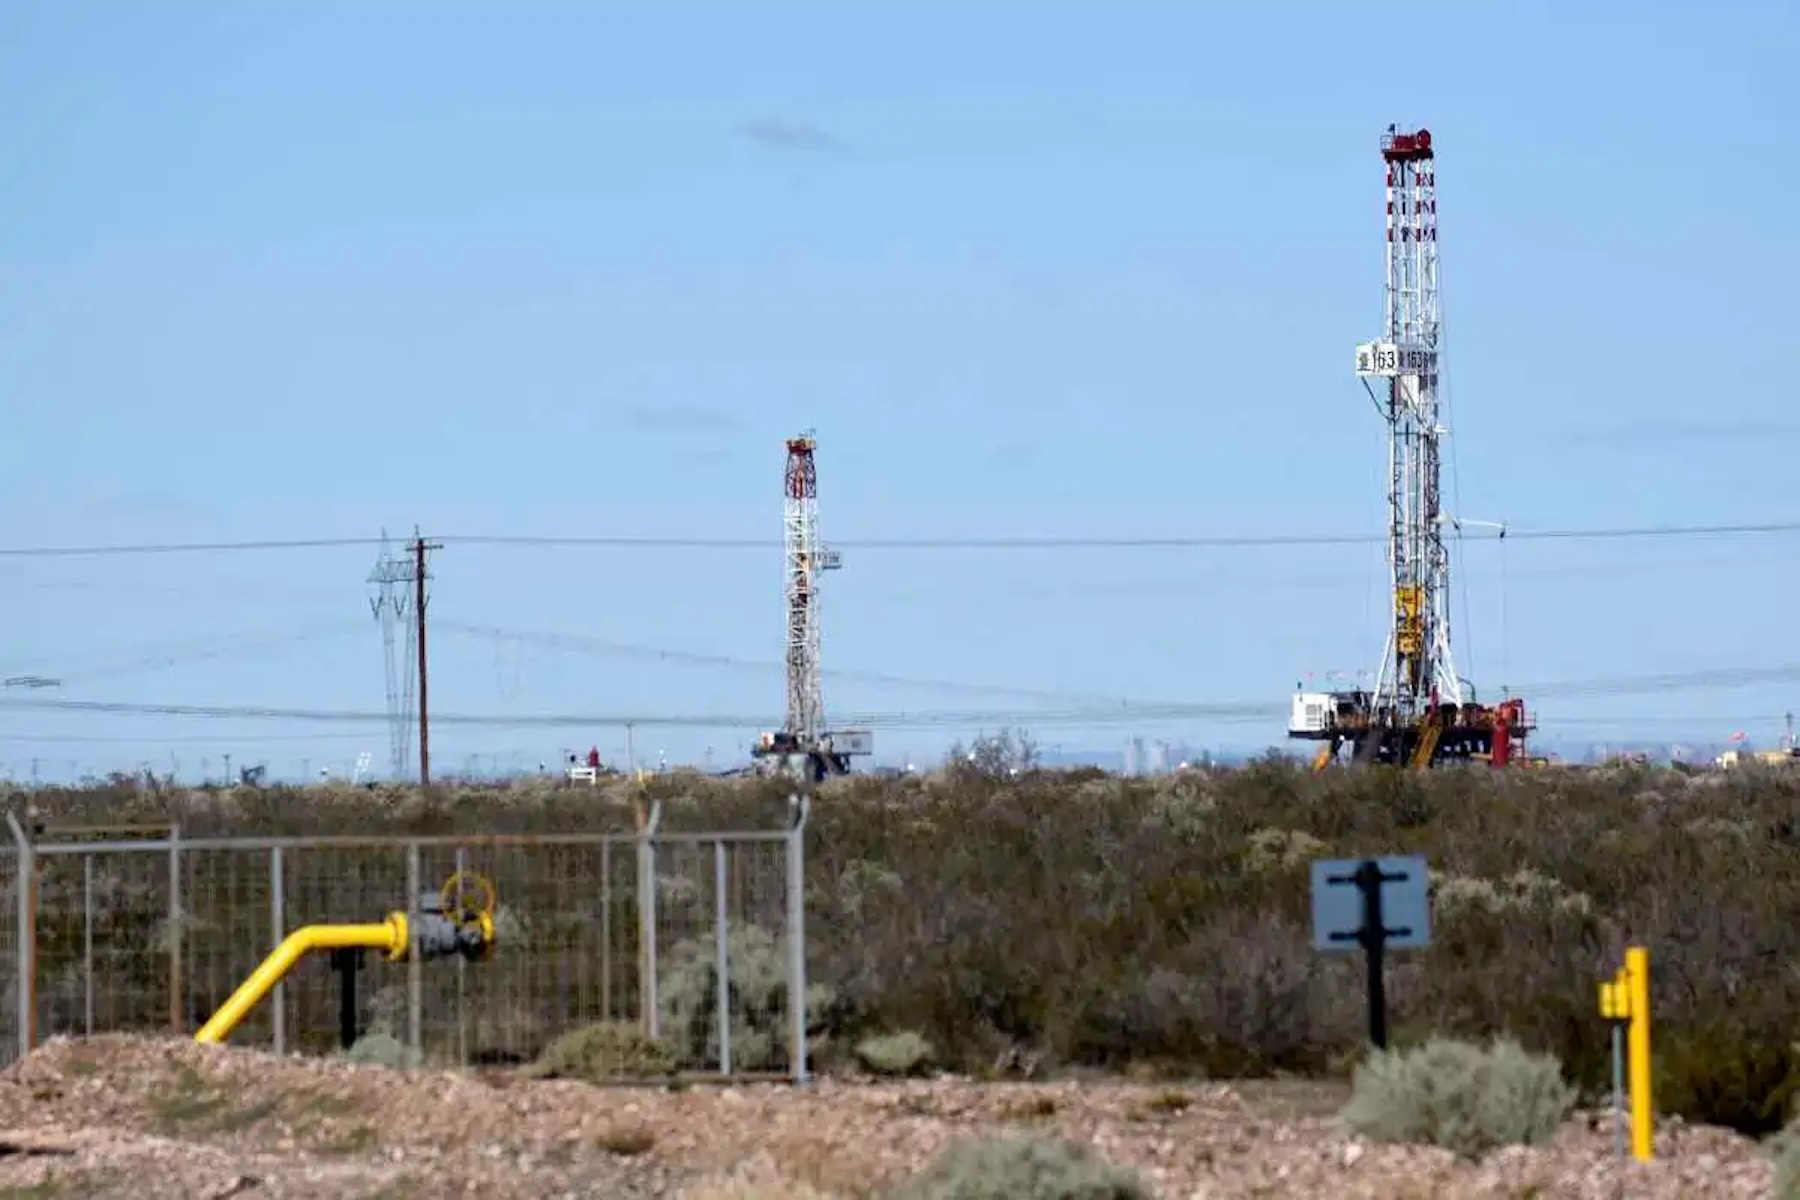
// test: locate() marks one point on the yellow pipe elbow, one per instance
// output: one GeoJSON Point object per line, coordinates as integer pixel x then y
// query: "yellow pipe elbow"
{"type": "Point", "coordinates": [391, 937]}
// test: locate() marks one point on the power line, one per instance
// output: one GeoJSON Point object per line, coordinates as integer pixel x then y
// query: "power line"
{"type": "Point", "coordinates": [1178, 542]}
{"type": "Point", "coordinates": [183, 739]}
{"type": "Point", "coordinates": [1111, 714]}
{"type": "Point", "coordinates": [1619, 721]}
{"type": "Point", "coordinates": [917, 719]}
{"type": "Point", "coordinates": [245, 645]}
{"type": "Point", "coordinates": [119, 548]}
{"type": "Point", "coordinates": [583, 644]}
{"type": "Point", "coordinates": [1050, 542]}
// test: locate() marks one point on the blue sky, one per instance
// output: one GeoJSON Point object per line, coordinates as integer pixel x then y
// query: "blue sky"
{"type": "Point", "coordinates": [284, 271]}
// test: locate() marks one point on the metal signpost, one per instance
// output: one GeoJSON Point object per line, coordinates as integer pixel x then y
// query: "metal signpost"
{"type": "Point", "coordinates": [1377, 904]}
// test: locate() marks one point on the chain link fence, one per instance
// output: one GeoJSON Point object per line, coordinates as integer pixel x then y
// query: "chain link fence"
{"type": "Point", "coordinates": [137, 930]}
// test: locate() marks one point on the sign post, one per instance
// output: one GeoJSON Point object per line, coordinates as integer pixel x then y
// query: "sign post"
{"type": "Point", "coordinates": [1377, 904]}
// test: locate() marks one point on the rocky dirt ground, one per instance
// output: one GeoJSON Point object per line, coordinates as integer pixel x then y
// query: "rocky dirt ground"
{"type": "Point", "coordinates": [122, 1117]}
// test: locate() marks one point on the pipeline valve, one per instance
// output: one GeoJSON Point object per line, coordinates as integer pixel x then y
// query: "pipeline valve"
{"type": "Point", "coordinates": [1615, 998]}
{"type": "Point", "coordinates": [458, 919]}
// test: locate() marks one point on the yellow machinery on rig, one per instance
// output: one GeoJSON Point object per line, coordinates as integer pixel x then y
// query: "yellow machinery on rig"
{"type": "Point", "coordinates": [455, 921]}
{"type": "Point", "coordinates": [1431, 730]}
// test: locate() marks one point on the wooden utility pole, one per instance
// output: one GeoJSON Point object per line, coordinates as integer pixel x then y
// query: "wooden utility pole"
{"type": "Point", "coordinates": [419, 548]}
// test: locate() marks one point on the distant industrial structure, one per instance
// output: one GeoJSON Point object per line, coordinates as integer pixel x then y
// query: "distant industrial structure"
{"type": "Point", "coordinates": [395, 578]}
{"type": "Point", "coordinates": [803, 745]}
{"type": "Point", "coordinates": [1420, 710]}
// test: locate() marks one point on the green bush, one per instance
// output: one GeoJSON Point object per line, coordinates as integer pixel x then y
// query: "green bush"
{"type": "Point", "coordinates": [688, 996]}
{"type": "Point", "coordinates": [380, 1049]}
{"type": "Point", "coordinates": [1784, 1148]}
{"type": "Point", "coordinates": [1725, 1073]}
{"type": "Point", "coordinates": [1466, 1098]}
{"type": "Point", "coordinates": [1009, 919]}
{"type": "Point", "coordinates": [1013, 1168]}
{"type": "Point", "coordinates": [903, 1053]}
{"type": "Point", "coordinates": [603, 1052]}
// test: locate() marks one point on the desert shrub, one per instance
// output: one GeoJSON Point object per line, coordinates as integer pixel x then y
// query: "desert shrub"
{"type": "Point", "coordinates": [903, 1053]}
{"type": "Point", "coordinates": [1463, 1097]}
{"type": "Point", "coordinates": [603, 1052]}
{"type": "Point", "coordinates": [688, 996]}
{"type": "Point", "coordinates": [1047, 917]}
{"type": "Point", "coordinates": [1011, 1167]}
{"type": "Point", "coordinates": [728, 1188]}
{"type": "Point", "coordinates": [1784, 1148]}
{"type": "Point", "coordinates": [381, 1049]}
{"type": "Point", "coordinates": [1724, 1073]}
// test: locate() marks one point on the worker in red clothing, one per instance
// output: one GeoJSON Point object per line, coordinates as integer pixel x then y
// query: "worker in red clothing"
{"type": "Point", "coordinates": [594, 757]}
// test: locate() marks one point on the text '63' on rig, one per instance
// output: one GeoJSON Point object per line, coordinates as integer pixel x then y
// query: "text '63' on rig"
{"type": "Point", "coordinates": [1420, 711]}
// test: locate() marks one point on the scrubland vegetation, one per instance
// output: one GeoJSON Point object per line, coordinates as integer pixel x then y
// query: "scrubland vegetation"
{"type": "Point", "coordinates": [1001, 923]}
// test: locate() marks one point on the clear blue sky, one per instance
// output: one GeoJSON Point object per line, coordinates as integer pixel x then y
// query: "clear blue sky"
{"type": "Point", "coordinates": [312, 269]}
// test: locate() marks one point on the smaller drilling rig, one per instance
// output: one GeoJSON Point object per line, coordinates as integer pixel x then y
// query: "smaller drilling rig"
{"type": "Point", "coordinates": [804, 747]}
{"type": "Point", "coordinates": [1421, 711]}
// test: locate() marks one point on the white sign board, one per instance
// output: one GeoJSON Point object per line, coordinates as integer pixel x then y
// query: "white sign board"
{"type": "Point", "coordinates": [1390, 359]}
{"type": "Point", "coordinates": [858, 742]}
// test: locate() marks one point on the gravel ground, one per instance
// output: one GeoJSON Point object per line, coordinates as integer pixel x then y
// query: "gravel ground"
{"type": "Point", "coordinates": [119, 1117]}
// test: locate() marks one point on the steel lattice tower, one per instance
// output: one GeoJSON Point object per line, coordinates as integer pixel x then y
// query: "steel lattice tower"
{"type": "Point", "coordinates": [805, 557]}
{"type": "Point", "coordinates": [393, 576]}
{"type": "Point", "coordinates": [1418, 669]}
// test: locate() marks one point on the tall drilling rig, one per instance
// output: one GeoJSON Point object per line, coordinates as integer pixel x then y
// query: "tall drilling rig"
{"type": "Point", "coordinates": [804, 744]}
{"type": "Point", "coordinates": [1420, 711]}
{"type": "Point", "coordinates": [393, 578]}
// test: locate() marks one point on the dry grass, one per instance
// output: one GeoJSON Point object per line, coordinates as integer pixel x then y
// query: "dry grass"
{"type": "Point", "coordinates": [451, 1134]}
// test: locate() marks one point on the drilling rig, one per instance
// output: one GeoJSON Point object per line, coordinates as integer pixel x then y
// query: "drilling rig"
{"type": "Point", "coordinates": [1420, 712]}
{"type": "Point", "coordinates": [804, 746]}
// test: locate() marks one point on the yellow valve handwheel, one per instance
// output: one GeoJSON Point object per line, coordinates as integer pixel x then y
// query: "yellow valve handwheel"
{"type": "Point", "coordinates": [457, 895]}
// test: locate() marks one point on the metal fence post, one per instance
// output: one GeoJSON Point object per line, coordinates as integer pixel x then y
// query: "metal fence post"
{"type": "Point", "coordinates": [606, 947]}
{"type": "Point", "coordinates": [278, 931]}
{"type": "Point", "coordinates": [462, 1002]}
{"type": "Point", "coordinates": [798, 807]}
{"type": "Point", "coordinates": [722, 950]}
{"type": "Point", "coordinates": [87, 943]}
{"type": "Point", "coordinates": [177, 992]}
{"type": "Point", "coordinates": [651, 1018]}
{"type": "Point", "coordinates": [415, 969]}
{"type": "Point", "coordinates": [25, 983]}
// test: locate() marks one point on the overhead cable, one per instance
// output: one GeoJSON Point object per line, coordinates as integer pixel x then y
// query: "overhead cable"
{"type": "Point", "coordinates": [1121, 713]}
{"type": "Point", "coordinates": [600, 646]}
{"type": "Point", "coordinates": [1048, 542]}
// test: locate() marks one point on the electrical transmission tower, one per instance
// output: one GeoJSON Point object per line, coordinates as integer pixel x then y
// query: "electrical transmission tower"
{"type": "Point", "coordinates": [1421, 710]}
{"type": "Point", "coordinates": [394, 579]}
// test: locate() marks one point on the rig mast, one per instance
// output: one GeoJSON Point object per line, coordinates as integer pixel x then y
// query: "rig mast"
{"type": "Point", "coordinates": [804, 737]}
{"type": "Point", "coordinates": [1418, 666]}
{"type": "Point", "coordinates": [804, 557]}
{"type": "Point", "coordinates": [1421, 710]}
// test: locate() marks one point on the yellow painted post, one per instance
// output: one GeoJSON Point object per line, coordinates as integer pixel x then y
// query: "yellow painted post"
{"type": "Point", "coordinates": [1637, 974]}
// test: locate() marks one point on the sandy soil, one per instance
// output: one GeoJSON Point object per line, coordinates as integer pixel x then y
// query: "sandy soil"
{"type": "Point", "coordinates": [119, 1117]}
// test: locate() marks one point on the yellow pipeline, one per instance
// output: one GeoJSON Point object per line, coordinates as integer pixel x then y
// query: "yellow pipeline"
{"type": "Point", "coordinates": [389, 936]}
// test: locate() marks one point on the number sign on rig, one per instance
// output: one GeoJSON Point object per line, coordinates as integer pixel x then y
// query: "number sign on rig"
{"type": "Point", "coordinates": [1375, 905]}
{"type": "Point", "coordinates": [1392, 359]}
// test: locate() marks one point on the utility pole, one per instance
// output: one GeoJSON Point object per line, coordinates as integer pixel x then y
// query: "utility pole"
{"type": "Point", "coordinates": [419, 548]}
